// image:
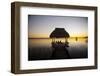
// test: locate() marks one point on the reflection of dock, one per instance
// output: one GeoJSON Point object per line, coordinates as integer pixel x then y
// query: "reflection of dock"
{"type": "Point", "coordinates": [60, 51]}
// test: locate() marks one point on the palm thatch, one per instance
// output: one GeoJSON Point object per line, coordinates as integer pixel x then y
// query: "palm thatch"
{"type": "Point", "coordinates": [59, 33]}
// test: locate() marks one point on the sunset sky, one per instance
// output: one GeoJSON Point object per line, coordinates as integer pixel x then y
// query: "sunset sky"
{"type": "Point", "coordinates": [40, 26]}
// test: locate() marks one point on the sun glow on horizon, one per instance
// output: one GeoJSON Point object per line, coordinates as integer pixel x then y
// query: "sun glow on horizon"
{"type": "Point", "coordinates": [47, 35]}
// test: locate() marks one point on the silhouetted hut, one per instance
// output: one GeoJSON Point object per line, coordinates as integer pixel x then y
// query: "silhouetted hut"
{"type": "Point", "coordinates": [59, 33]}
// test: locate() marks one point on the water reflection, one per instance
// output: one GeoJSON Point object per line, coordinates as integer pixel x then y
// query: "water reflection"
{"type": "Point", "coordinates": [60, 53]}
{"type": "Point", "coordinates": [42, 49]}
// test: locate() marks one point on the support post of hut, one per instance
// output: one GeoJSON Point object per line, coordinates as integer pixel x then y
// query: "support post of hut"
{"type": "Point", "coordinates": [53, 39]}
{"type": "Point", "coordinates": [66, 40]}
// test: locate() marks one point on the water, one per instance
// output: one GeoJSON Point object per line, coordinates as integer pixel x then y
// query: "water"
{"type": "Point", "coordinates": [41, 49]}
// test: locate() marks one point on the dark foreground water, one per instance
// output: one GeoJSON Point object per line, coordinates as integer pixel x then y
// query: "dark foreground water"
{"type": "Point", "coordinates": [41, 49]}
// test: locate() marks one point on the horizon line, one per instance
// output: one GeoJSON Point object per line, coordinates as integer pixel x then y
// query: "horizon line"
{"type": "Point", "coordinates": [49, 37]}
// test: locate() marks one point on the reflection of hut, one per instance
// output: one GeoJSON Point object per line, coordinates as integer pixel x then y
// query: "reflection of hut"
{"type": "Point", "coordinates": [59, 33]}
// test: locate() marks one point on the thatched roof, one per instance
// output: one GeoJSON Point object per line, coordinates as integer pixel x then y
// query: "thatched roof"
{"type": "Point", "coordinates": [59, 33]}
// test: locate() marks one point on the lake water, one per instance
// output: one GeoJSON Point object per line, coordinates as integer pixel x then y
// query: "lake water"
{"type": "Point", "coordinates": [41, 49]}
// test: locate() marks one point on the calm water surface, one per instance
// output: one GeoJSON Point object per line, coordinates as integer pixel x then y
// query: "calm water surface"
{"type": "Point", "coordinates": [41, 49]}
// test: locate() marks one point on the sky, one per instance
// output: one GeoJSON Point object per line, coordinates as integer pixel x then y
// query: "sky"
{"type": "Point", "coordinates": [41, 26]}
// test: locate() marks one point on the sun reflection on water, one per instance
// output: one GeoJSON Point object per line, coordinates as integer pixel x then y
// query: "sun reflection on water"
{"type": "Point", "coordinates": [47, 42]}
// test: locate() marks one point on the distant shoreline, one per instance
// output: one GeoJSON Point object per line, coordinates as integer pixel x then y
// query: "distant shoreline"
{"type": "Point", "coordinates": [50, 38]}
